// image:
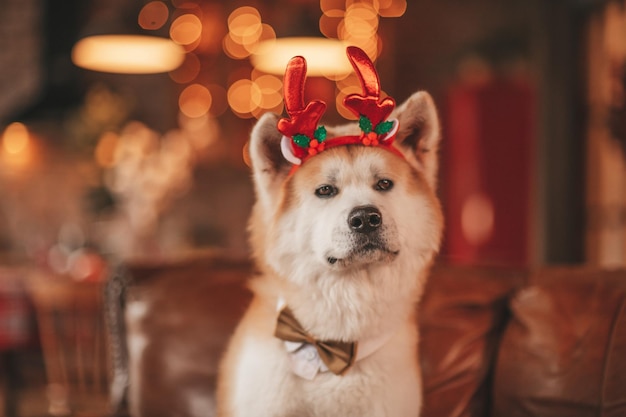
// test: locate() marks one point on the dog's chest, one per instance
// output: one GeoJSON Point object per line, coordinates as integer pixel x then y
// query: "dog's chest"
{"type": "Point", "coordinates": [377, 386]}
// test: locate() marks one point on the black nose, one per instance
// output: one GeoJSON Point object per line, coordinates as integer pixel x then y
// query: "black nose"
{"type": "Point", "coordinates": [365, 219]}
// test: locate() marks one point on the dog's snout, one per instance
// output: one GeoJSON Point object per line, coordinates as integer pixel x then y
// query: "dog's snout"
{"type": "Point", "coordinates": [365, 219]}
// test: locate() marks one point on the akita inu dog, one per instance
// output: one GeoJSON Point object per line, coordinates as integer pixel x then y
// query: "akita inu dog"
{"type": "Point", "coordinates": [344, 230]}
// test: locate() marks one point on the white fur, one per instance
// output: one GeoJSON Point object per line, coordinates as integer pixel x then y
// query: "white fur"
{"type": "Point", "coordinates": [294, 233]}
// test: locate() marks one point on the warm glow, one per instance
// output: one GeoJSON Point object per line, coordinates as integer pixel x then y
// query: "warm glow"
{"type": "Point", "coordinates": [361, 20]}
{"type": "Point", "coordinates": [244, 96]}
{"type": "Point", "coordinates": [245, 31]}
{"type": "Point", "coordinates": [477, 219]}
{"type": "Point", "coordinates": [328, 25]}
{"type": "Point", "coordinates": [242, 11]}
{"type": "Point", "coordinates": [195, 101]}
{"type": "Point", "coordinates": [267, 34]}
{"type": "Point", "coordinates": [153, 15]}
{"type": "Point", "coordinates": [127, 54]}
{"type": "Point", "coordinates": [105, 150]}
{"type": "Point", "coordinates": [359, 27]}
{"type": "Point", "coordinates": [16, 147]}
{"type": "Point", "coordinates": [350, 85]}
{"type": "Point", "coordinates": [15, 139]}
{"type": "Point", "coordinates": [324, 56]}
{"type": "Point", "coordinates": [186, 29]}
{"type": "Point", "coordinates": [234, 49]}
{"type": "Point", "coordinates": [392, 8]}
{"type": "Point", "coordinates": [270, 87]}
{"type": "Point", "coordinates": [245, 27]}
{"type": "Point", "coordinates": [329, 6]}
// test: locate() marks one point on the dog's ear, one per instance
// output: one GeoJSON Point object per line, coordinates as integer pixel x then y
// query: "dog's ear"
{"type": "Point", "coordinates": [419, 134]}
{"type": "Point", "coordinates": [269, 166]}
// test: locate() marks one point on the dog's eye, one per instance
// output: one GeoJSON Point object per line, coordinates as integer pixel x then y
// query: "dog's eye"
{"type": "Point", "coordinates": [384, 185]}
{"type": "Point", "coordinates": [326, 191]}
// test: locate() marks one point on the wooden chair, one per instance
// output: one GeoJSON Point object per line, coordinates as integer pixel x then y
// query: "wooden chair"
{"type": "Point", "coordinates": [71, 328]}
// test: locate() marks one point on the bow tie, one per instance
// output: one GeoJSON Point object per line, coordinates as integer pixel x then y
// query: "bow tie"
{"type": "Point", "coordinates": [337, 356]}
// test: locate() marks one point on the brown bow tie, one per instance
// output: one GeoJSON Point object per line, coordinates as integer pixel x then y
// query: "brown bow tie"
{"type": "Point", "coordinates": [338, 356]}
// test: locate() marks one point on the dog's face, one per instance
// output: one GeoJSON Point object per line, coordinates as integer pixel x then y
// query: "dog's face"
{"type": "Point", "coordinates": [351, 207]}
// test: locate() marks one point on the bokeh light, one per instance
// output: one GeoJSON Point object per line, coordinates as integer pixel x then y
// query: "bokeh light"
{"type": "Point", "coordinates": [234, 49]}
{"type": "Point", "coordinates": [477, 219]}
{"type": "Point", "coordinates": [186, 29]}
{"type": "Point", "coordinates": [195, 100]}
{"type": "Point", "coordinates": [359, 27]}
{"type": "Point", "coordinates": [267, 34]}
{"type": "Point", "coordinates": [244, 96]}
{"type": "Point", "coordinates": [328, 25]}
{"type": "Point", "coordinates": [392, 8]}
{"type": "Point", "coordinates": [325, 57]}
{"type": "Point", "coordinates": [245, 32]}
{"type": "Point", "coordinates": [127, 54]}
{"type": "Point", "coordinates": [105, 149]}
{"type": "Point", "coordinates": [16, 138]}
{"type": "Point", "coordinates": [271, 87]}
{"type": "Point", "coordinates": [16, 148]}
{"type": "Point", "coordinates": [244, 25]}
{"type": "Point", "coordinates": [153, 15]}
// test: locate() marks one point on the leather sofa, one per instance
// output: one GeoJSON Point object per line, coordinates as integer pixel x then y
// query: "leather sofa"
{"type": "Point", "coordinates": [494, 341]}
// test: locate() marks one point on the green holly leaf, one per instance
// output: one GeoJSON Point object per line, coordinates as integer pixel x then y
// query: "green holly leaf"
{"type": "Point", "coordinates": [365, 124]}
{"type": "Point", "coordinates": [301, 140]}
{"type": "Point", "coordinates": [320, 134]}
{"type": "Point", "coordinates": [384, 127]}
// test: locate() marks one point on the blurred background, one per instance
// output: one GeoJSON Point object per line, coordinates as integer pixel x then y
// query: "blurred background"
{"type": "Point", "coordinates": [127, 148]}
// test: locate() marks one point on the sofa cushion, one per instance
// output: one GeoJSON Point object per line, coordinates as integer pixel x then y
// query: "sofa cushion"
{"type": "Point", "coordinates": [564, 352]}
{"type": "Point", "coordinates": [462, 315]}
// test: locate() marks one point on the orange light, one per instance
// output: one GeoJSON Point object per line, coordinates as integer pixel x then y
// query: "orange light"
{"type": "Point", "coordinates": [244, 96]}
{"type": "Point", "coordinates": [234, 49]}
{"type": "Point", "coordinates": [477, 219]}
{"type": "Point", "coordinates": [195, 101]}
{"type": "Point", "coordinates": [153, 15]}
{"type": "Point", "coordinates": [242, 11]}
{"type": "Point", "coordinates": [17, 149]}
{"type": "Point", "coordinates": [16, 138]}
{"type": "Point", "coordinates": [325, 57]}
{"type": "Point", "coordinates": [328, 25]}
{"type": "Point", "coordinates": [267, 34]}
{"type": "Point", "coordinates": [329, 6]}
{"type": "Point", "coordinates": [361, 20]}
{"type": "Point", "coordinates": [127, 54]}
{"type": "Point", "coordinates": [245, 28]}
{"type": "Point", "coordinates": [105, 149]}
{"type": "Point", "coordinates": [392, 8]}
{"type": "Point", "coordinates": [270, 87]}
{"type": "Point", "coordinates": [186, 29]}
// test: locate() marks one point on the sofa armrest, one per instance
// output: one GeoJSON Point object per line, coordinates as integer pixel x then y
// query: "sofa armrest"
{"type": "Point", "coordinates": [564, 351]}
{"type": "Point", "coordinates": [462, 315]}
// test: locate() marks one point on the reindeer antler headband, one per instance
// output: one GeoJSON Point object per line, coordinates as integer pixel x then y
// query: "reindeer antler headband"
{"type": "Point", "coordinates": [303, 138]}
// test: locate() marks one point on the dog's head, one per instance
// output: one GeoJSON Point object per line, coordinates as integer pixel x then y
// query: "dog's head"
{"type": "Point", "coordinates": [362, 201]}
{"type": "Point", "coordinates": [350, 207]}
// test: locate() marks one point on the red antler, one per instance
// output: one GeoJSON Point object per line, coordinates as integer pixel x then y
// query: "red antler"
{"type": "Point", "coordinates": [303, 138]}
{"type": "Point", "coordinates": [302, 119]}
{"type": "Point", "coordinates": [367, 105]}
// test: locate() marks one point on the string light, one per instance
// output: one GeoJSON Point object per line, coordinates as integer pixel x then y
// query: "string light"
{"type": "Point", "coordinates": [342, 22]}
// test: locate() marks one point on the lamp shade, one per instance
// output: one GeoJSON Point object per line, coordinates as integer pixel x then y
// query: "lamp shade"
{"type": "Point", "coordinates": [325, 57]}
{"type": "Point", "coordinates": [127, 54]}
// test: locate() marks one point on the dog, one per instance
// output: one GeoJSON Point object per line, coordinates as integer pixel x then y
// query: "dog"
{"type": "Point", "coordinates": [343, 236]}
